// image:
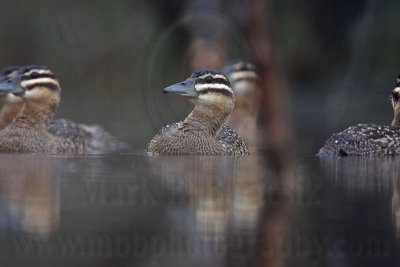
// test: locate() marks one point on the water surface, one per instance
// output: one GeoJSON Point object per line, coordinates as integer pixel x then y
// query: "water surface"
{"type": "Point", "coordinates": [134, 210]}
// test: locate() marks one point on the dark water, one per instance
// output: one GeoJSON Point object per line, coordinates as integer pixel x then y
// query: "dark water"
{"type": "Point", "coordinates": [132, 210]}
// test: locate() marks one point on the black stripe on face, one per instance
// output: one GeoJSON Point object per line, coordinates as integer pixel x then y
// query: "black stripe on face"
{"type": "Point", "coordinates": [37, 75]}
{"type": "Point", "coordinates": [218, 91]}
{"type": "Point", "coordinates": [213, 80]}
{"type": "Point", "coordinates": [50, 86]}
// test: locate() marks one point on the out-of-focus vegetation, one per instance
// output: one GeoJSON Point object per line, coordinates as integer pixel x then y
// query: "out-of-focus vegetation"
{"type": "Point", "coordinates": [340, 58]}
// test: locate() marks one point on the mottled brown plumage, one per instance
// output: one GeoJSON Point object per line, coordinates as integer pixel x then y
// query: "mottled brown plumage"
{"type": "Point", "coordinates": [367, 139]}
{"type": "Point", "coordinates": [364, 139]}
{"type": "Point", "coordinates": [28, 133]}
{"type": "Point", "coordinates": [8, 112]}
{"type": "Point", "coordinates": [201, 132]}
{"type": "Point", "coordinates": [96, 139]}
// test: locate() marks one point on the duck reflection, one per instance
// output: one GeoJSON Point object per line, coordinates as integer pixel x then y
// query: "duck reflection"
{"type": "Point", "coordinates": [222, 191]}
{"type": "Point", "coordinates": [365, 177]}
{"type": "Point", "coordinates": [233, 205]}
{"type": "Point", "coordinates": [29, 191]}
{"type": "Point", "coordinates": [361, 173]}
{"type": "Point", "coordinates": [223, 197]}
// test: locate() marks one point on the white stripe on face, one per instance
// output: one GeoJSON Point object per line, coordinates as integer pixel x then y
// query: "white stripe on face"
{"type": "Point", "coordinates": [237, 75]}
{"type": "Point", "coordinates": [28, 83]}
{"type": "Point", "coordinates": [38, 71]}
{"type": "Point", "coordinates": [214, 76]}
{"type": "Point", "coordinates": [218, 86]}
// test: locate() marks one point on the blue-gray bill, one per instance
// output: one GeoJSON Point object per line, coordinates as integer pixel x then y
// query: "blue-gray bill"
{"type": "Point", "coordinates": [185, 88]}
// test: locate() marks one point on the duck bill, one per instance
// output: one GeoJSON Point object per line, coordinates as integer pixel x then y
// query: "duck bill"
{"type": "Point", "coordinates": [185, 88]}
{"type": "Point", "coordinates": [11, 87]}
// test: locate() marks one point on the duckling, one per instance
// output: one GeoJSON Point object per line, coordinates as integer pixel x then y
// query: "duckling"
{"type": "Point", "coordinates": [243, 118]}
{"type": "Point", "coordinates": [96, 138]}
{"type": "Point", "coordinates": [367, 139]}
{"type": "Point", "coordinates": [28, 132]}
{"type": "Point", "coordinates": [202, 132]}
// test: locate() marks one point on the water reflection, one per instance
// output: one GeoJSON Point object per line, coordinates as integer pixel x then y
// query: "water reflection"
{"type": "Point", "coordinates": [184, 210]}
{"type": "Point", "coordinates": [239, 207]}
{"type": "Point", "coordinates": [374, 178]}
{"type": "Point", "coordinates": [30, 192]}
{"type": "Point", "coordinates": [396, 206]}
{"type": "Point", "coordinates": [224, 194]}
{"type": "Point", "coordinates": [223, 191]}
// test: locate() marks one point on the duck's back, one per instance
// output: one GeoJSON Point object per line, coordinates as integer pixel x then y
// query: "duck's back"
{"type": "Point", "coordinates": [175, 139]}
{"type": "Point", "coordinates": [68, 137]}
{"type": "Point", "coordinates": [365, 139]}
{"type": "Point", "coordinates": [232, 141]}
{"type": "Point", "coordinates": [66, 129]}
{"type": "Point", "coordinates": [94, 138]}
{"type": "Point", "coordinates": [98, 140]}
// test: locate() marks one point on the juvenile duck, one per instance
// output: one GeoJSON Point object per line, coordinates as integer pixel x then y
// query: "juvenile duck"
{"type": "Point", "coordinates": [367, 139]}
{"type": "Point", "coordinates": [97, 139]}
{"type": "Point", "coordinates": [243, 119]}
{"type": "Point", "coordinates": [28, 132]}
{"type": "Point", "coordinates": [202, 132]}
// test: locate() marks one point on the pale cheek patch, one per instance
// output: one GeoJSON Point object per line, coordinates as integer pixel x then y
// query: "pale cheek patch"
{"type": "Point", "coordinates": [396, 90]}
{"type": "Point", "coordinates": [206, 99]}
{"type": "Point", "coordinates": [34, 94]}
{"type": "Point", "coordinates": [213, 99]}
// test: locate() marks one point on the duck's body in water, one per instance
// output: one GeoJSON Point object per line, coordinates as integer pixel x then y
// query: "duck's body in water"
{"type": "Point", "coordinates": [97, 140]}
{"type": "Point", "coordinates": [368, 139]}
{"type": "Point", "coordinates": [243, 119]}
{"type": "Point", "coordinates": [28, 132]}
{"type": "Point", "coordinates": [202, 132]}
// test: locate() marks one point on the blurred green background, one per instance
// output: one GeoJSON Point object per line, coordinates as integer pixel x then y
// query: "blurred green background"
{"type": "Point", "coordinates": [340, 59]}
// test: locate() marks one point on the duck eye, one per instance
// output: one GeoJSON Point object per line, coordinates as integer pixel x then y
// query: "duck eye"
{"type": "Point", "coordinates": [395, 96]}
{"type": "Point", "coordinates": [34, 75]}
{"type": "Point", "coordinates": [208, 79]}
